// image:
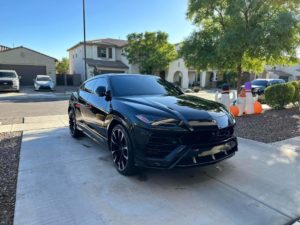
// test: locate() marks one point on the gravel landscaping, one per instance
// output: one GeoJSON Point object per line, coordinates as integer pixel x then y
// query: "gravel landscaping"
{"type": "Point", "coordinates": [271, 126]}
{"type": "Point", "coordinates": [9, 161]}
{"type": "Point", "coordinates": [12, 120]}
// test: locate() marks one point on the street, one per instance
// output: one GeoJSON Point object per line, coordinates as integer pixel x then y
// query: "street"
{"type": "Point", "coordinates": [16, 106]}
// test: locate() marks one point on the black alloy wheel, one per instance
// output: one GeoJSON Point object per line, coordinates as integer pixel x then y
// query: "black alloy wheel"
{"type": "Point", "coordinates": [122, 152]}
{"type": "Point", "coordinates": [75, 133]}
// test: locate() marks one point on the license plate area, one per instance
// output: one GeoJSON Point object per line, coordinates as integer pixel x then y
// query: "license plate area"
{"type": "Point", "coordinates": [217, 149]}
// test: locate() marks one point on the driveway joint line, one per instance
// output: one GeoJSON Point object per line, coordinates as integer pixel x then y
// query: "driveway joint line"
{"type": "Point", "coordinates": [249, 196]}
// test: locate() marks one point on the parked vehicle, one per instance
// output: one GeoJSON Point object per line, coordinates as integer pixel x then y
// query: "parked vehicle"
{"type": "Point", "coordinates": [43, 82]}
{"type": "Point", "coordinates": [9, 80]}
{"type": "Point", "coordinates": [259, 85]}
{"type": "Point", "coordinates": [148, 122]}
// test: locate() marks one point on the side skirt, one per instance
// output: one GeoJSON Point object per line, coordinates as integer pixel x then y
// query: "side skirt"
{"type": "Point", "coordinates": [93, 135]}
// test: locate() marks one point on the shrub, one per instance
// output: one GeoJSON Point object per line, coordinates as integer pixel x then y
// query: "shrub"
{"type": "Point", "coordinates": [196, 89]}
{"type": "Point", "coordinates": [188, 90]}
{"type": "Point", "coordinates": [296, 85]}
{"type": "Point", "coordinates": [279, 95]}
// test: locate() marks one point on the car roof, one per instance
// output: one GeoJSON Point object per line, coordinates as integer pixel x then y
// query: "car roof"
{"type": "Point", "coordinates": [268, 79]}
{"type": "Point", "coordinates": [121, 74]}
{"type": "Point", "coordinates": [42, 76]}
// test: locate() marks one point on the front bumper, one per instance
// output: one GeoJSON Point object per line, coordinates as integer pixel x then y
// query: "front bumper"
{"type": "Point", "coordinates": [9, 88]}
{"type": "Point", "coordinates": [179, 151]}
{"type": "Point", "coordinates": [44, 87]}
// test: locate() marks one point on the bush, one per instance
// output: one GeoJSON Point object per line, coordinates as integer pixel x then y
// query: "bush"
{"type": "Point", "coordinates": [279, 95]}
{"type": "Point", "coordinates": [188, 90]}
{"type": "Point", "coordinates": [196, 89]}
{"type": "Point", "coordinates": [296, 85]}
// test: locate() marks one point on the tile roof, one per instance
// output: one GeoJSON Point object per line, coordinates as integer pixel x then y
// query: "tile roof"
{"type": "Point", "coordinates": [106, 63]}
{"type": "Point", "coordinates": [105, 41]}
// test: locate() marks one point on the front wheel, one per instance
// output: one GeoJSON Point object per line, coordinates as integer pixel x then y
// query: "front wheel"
{"type": "Point", "coordinates": [122, 151]}
{"type": "Point", "coordinates": [75, 133]}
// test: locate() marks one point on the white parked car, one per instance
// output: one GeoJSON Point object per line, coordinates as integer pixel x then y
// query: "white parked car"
{"type": "Point", "coordinates": [43, 82]}
{"type": "Point", "coordinates": [9, 80]}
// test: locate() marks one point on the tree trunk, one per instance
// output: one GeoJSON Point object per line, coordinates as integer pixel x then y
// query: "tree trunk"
{"type": "Point", "coordinates": [239, 78]}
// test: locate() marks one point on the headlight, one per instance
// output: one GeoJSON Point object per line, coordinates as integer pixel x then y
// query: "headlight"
{"type": "Point", "coordinates": [157, 121]}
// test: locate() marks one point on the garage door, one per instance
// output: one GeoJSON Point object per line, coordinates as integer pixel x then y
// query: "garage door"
{"type": "Point", "coordinates": [28, 73]}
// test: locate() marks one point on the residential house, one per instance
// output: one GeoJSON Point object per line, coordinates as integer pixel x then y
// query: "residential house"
{"type": "Point", "coordinates": [288, 73]}
{"type": "Point", "coordinates": [185, 77]}
{"type": "Point", "coordinates": [27, 63]}
{"type": "Point", "coordinates": [105, 56]}
{"type": "Point", "coordinates": [102, 56]}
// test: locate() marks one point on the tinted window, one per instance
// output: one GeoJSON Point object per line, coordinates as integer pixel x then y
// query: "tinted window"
{"type": "Point", "coordinates": [8, 74]}
{"type": "Point", "coordinates": [88, 86]}
{"type": "Point", "coordinates": [43, 78]}
{"type": "Point", "coordinates": [142, 85]}
{"type": "Point", "coordinates": [259, 82]}
{"type": "Point", "coordinates": [277, 81]}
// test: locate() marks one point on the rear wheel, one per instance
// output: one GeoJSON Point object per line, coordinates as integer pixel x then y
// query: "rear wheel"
{"type": "Point", "coordinates": [122, 151]}
{"type": "Point", "coordinates": [75, 133]}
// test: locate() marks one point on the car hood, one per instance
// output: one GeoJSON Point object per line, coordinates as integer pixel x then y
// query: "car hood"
{"type": "Point", "coordinates": [7, 78]}
{"type": "Point", "coordinates": [184, 107]}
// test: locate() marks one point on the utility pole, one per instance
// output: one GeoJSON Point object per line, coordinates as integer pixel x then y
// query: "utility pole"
{"type": "Point", "coordinates": [84, 39]}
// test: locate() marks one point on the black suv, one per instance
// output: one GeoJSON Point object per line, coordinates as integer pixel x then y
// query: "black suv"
{"type": "Point", "coordinates": [259, 85]}
{"type": "Point", "coordinates": [148, 122]}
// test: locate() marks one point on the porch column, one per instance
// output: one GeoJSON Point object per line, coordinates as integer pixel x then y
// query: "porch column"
{"type": "Point", "coordinates": [215, 75]}
{"type": "Point", "coordinates": [203, 79]}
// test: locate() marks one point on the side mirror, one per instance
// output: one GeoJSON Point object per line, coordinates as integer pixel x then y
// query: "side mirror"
{"type": "Point", "coordinates": [19, 77]}
{"type": "Point", "coordinates": [101, 91]}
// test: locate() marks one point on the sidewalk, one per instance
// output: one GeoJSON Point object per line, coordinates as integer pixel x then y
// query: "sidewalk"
{"type": "Point", "coordinates": [37, 123]}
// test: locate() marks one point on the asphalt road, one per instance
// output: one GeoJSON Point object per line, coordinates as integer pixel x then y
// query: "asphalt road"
{"type": "Point", "coordinates": [32, 108]}
{"type": "Point", "coordinates": [15, 106]}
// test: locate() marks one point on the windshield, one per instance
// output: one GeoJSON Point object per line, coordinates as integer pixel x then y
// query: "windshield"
{"type": "Point", "coordinates": [259, 82]}
{"type": "Point", "coordinates": [8, 74]}
{"type": "Point", "coordinates": [142, 85]}
{"type": "Point", "coordinates": [43, 79]}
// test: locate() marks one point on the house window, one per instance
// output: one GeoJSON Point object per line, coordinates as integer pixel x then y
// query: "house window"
{"type": "Point", "coordinates": [110, 53]}
{"type": "Point", "coordinates": [101, 52]}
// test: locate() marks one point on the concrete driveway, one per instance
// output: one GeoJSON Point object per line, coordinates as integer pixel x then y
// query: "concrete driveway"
{"type": "Point", "coordinates": [67, 181]}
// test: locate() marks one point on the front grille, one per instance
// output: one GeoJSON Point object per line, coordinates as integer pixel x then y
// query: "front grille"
{"type": "Point", "coordinates": [6, 83]}
{"type": "Point", "coordinates": [207, 159]}
{"type": "Point", "coordinates": [44, 88]}
{"type": "Point", "coordinates": [160, 146]}
{"type": "Point", "coordinates": [199, 137]}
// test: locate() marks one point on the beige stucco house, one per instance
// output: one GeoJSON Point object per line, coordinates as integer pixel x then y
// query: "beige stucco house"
{"type": "Point", "coordinates": [105, 56]}
{"type": "Point", "coordinates": [102, 56]}
{"type": "Point", "coordinates": [27, 63]}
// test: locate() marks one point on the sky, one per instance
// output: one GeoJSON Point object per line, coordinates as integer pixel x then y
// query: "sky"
{"type": "Point", "coordinates": [53, 26]}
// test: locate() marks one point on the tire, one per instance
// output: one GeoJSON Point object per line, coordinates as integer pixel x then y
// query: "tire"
{"type": "Point", "coordinates": [75, 133]}
{"type": "Point", "coordinates": [122, 151]}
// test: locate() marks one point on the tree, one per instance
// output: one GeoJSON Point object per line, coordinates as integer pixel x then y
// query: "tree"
{"type": "Point", "coordinates": [151, 51]}
{"type": "Point", "coordinates": [241, 35]}
{"type": "Point", "coordinates": [62, 67]}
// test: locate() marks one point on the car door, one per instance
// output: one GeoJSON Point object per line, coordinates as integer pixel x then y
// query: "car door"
{"type": "Point", "coordinates": [99, 109]}
{"type": "Point", "coordinates": [84, 94]}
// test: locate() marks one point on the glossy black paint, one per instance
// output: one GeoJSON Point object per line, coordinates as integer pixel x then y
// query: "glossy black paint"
{"type": "Point", "coordinates": [193, 125]}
